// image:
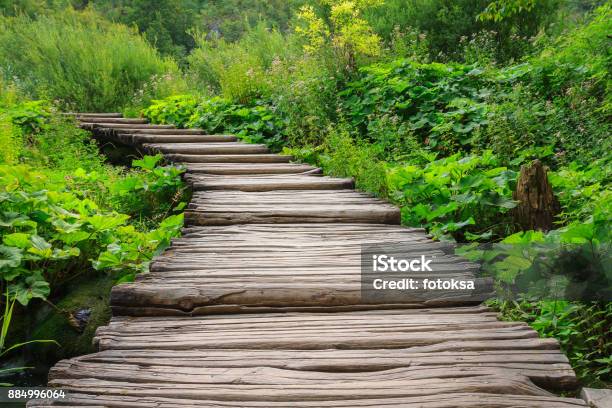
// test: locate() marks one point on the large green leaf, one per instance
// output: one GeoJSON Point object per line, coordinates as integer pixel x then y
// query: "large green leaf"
{"type": "Point", "coordinates": [17, 239]}
{"type": "Point", "coordinates": [10, 257]}
{"type": "Point", "coordinates": [107, 222]}
{"type": "Point", "coordinates": [32, 287]}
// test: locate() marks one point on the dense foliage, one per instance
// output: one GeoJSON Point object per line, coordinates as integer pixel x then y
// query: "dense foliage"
{"type": "Point", "coordinates": [255, 123]}
{"type": "Point", "coordinates": [77, 59]}
{"type": "Point", "coordinates": [433, 105]}
{"type": "Point", "coordinates": [66, 215]}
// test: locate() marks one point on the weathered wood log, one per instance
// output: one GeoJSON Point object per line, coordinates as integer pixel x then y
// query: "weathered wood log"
{"type": "Point", "coordinates": [123, 126]}
{"type": "Point", "coordinates": [207, 148]}
{"type": "Point", "coordinates": [228, 158]}
{"type": "Point", "coordinates": [537, 205]}
{"type": "Point", "coordinates": [217, 208]}
{"type": "Point", "coordinates": [115, 120]}
{"type": "Point", "coordinates": [79, 115]}
{"type": "Point", "coordinates": [268, 183]}
{"type": "Point", "coordinates": [165, 130]}
{"type": "Point", "coordinates": [174, 138]}
{"type": "Point", "coordinates": [251, 168]}
{"type": "Point", "coordinates": [83, 398]}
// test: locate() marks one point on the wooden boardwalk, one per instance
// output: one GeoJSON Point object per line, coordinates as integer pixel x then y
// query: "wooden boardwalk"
{"type": "Point", "coordinates": [258, 304]}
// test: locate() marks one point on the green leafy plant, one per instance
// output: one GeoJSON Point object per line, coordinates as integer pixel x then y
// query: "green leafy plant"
{"type": "Point", "coordinates": [442, 104]}
{"type": "Point", "coordinates": [50, 233]}
{"type": "Point", "coordinates": [581, 328]}
{"type": "Point", "coordinates": [176, 110]}
{"type": "Point", "coordinates": [340, 26]}
{"type": "Point", "coordinates": [254, 123]}
{"type": "Point", "coordinates": [462, 196]}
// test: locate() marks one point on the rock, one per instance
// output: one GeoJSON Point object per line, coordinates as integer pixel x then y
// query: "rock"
{"type": "Point", "coordinates": [597, 398]}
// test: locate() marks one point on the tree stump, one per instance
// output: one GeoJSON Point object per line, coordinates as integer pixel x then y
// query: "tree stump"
{"type": "Point", "coordinates": [537, 205]}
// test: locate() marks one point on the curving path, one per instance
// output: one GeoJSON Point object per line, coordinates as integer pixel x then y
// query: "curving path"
{"type": "Point", "coordinates": [258, 304]}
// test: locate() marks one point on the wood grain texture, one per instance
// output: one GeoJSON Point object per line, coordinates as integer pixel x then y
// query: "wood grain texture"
{"type": "Point", "coordinates": [207, 148]}
{"type": "Point", "coordinates": [267, 182]}
{"type": "Point", "coordinates": [245, 207]}
{"type": "Point", "coordinates": [454, 400]}
{"type": "Point", "coordinates": [259, 303]}
{"type": "Point", "coordinates": [251, 168]}
{"type": "Point", "coordinates": [111, 119]}
{"type": "Point", "coordinates": [228, 158]}
{"type": "Point", "coordinates": [142, 138]}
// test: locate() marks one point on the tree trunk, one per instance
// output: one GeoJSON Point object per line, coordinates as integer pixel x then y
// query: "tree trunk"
{"type": "Point", "coordinates": [537, 206]}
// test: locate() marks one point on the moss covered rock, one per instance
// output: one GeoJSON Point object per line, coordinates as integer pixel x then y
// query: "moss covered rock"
{"type": "Point", "coordinates": [90, 295]}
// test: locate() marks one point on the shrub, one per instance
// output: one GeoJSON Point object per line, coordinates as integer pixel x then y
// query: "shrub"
{"type": "Point", "coordinates": [50, 233]}
{"type": "Point", "coordinates": [344, 157]}
{"type": "Point", "coordinates": [466, 197]}
{"type": "Point", "coordinates": [446, 24]}
{"type": "Point", "coordinates": [442, 104]}
{"type": "Point", "coordinates": [254, 123]}
{"type": "Point", "coordinates": [61, 206]}
{"type": "Point", "coordinates": [176, 110]}
{"type": "Point", "coordinates": [340, 25]}
{"type": "Point", "coordinates": [304, 92]}
{"type": "Point", "coordinates": [559, 97]}
{"type": "Point", "coordinates": [78, 59]}
{"type": "Point", "coordinates": [581, 328]}
{"type": "Point", "coordinates": [237, 71]}
{"type": "Point", "coordinates": [231, 19]}
{"type": "Point", "coordinates": [581, 189]}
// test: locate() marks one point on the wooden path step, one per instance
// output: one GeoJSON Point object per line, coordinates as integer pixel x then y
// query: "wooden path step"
{"type": "Point", "coordinates": [260, 304]}
{"type": "Point", "coordinates": [166, 130]}
{"type": "Point", "coordinates": [122, 398]}
{"type": "Point", "coordinates": [251, 168]}
{"type": "Point", "coordinates": [95, 115]}
{"type": "Point", "coordinates": [152, 138]}
{"type": "Point", "coordinates": [111, 127]}
{"type": "Point", "coordinates": [207, 148]}
{"type": "Point", "coordinates": [221, 207]}
{"type": "Point", "coordinates": [111, 119]}
{"type": "Point", "coordinates": [239, 268]}
{"type": "Point", "coordinates": [228, 158]}
{"type": "Point", "coordinates": [267, 182]}
{"type": "Point", "coordinates": [380, 358]}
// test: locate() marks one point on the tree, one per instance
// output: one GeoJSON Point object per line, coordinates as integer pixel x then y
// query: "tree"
{"type": "Point", "coordinates": [340, 25]}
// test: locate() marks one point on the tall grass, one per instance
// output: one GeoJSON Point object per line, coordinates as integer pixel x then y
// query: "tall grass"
{"type": "Point", "coordinates": [239, 70]}
{"type": "Point", "coordinates": [268, 65]}
{"type": "Point", "coordinates": [78, 59]}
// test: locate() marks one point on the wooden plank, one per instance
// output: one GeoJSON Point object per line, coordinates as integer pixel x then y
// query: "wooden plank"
{"type": "Point", "coordinates": [123, 126]}
{"type": "Point", "coordinates": [250, 168]}
{"type": "Point", "coordinates": [114, 120]}
{"type": "Point", "coordinates": [307, 232]}
{"type": "Point", "coordinates": [272, 384]}
{"type": "Point", "coordinates": [166, 130]}
{"type": "Point", "coordinates": [453, 400]}
{"type": "Point", "coordinates": [136, 138]}
{"type": "Point", "coordinates": [228, 158]}
{"type": "Point", "coordinates": [268, 183]}
{"type": "Point", "coordinates": [287, 213]}
{"type": "Point", "coordinates": [207, 148]}
{"type": "Point", "coordinates": [93, 114]}
{"type": "Point", "coordinates": [411, 328]}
